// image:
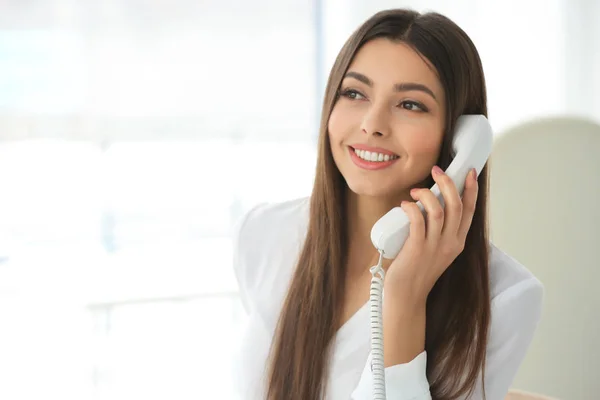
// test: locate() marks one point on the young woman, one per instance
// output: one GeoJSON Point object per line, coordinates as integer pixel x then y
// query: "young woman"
{"type": "Point", "coordinates": [459, 314]}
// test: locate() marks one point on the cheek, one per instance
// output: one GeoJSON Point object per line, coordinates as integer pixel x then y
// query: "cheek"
{"type": "Point", "coordinates": [423, 148]}
{"type": "Point", "coordinates": [341, 124]}
{"type": "Point", "coordinates": [335, 125]}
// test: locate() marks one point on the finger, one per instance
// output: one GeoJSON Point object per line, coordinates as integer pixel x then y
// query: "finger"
{"type": "Point", "coordinates": [469, 202]}
{"type": "Point", "coordinates": [434, 210]}
{"type": "Point", "coordinates": [417, 222]}
{"type": "Point", "coordinates": [453, 206]}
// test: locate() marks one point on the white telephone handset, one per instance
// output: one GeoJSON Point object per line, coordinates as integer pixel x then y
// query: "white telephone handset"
{"type": "Point", "coordinates": [472, 145]}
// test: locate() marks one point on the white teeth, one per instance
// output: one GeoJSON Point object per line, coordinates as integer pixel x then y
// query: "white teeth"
{"type": "Point", "coordinates": [373, 156]}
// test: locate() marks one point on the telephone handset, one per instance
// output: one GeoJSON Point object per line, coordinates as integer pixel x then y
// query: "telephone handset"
{"type": "Point", "coordinates": [472, 145]}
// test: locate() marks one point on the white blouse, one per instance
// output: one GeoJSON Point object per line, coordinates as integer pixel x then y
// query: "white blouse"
{"type": "Point", "coordinates": [267, 243]}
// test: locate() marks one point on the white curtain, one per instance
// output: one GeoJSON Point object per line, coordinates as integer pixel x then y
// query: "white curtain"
{"type": "Point", "coordinates": [134, 133]}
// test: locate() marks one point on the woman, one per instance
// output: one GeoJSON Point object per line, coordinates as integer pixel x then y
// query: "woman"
{"type": "Point", "coordinates": [458, 313]}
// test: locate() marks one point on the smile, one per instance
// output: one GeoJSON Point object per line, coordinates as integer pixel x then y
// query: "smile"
{"type": "Point", "coordinates": [373, 156]}
{"type": "Point", "coordinates": [371, 160]}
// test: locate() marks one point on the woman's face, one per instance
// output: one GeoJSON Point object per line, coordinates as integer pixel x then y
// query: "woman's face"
{"type": "Point", "coordinates": [387, 127]}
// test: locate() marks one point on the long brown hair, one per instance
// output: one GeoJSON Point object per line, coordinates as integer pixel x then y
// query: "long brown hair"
{"type": "Point", "coordinates": [458, 307]}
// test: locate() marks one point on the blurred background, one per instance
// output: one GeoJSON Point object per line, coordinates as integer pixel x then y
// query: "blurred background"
{"type": "Point", "coordinates": [133, 134]}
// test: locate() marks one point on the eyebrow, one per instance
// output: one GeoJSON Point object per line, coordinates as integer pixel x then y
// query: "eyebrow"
{"type": "Point", "coordinates": [398, 87]}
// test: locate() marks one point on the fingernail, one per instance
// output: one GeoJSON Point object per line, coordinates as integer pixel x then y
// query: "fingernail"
{"type": "Point", "coordinates": [474, 174]}
{"type": "Point", "coordinates": [413, 192]}
{"type": "Point", "coordinates": [437, 170]}
{"type": "Point", "coordinates": [403, 202]}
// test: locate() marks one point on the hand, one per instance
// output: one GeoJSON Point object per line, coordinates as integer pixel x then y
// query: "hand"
{"type": "Point", "coordinates": [432, 245]}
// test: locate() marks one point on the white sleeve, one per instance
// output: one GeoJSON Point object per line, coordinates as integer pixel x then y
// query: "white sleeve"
{"type": "Point", "coordinates": [515, 315]}
{"type": "Point", "coordinates": [402, 382]}
{"type": "Point", "coordinates": [239, 240]}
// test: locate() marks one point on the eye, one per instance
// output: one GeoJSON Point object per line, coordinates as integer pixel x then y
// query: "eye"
{"type": "Point", "coordinates": [413, 106]}
{"type": "Point", "coordinates": [352, 94]}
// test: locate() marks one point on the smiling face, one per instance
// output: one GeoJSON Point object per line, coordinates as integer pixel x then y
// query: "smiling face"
{"type": "Point", "coordinates": [387, 126]}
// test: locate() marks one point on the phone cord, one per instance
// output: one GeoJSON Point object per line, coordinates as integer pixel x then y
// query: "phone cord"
{"type": "Point", "coordinates": [376, 302]}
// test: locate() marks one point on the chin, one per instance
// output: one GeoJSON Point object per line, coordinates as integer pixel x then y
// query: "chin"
{"type": "Point", "coordinates": [371, 189]}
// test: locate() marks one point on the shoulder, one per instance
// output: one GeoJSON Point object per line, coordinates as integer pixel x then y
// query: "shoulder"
{"type": "Point", "coordinates": [290, 210]}
{"type": "Point", "coordinates": [266, 241]}
{"type": "Point", "coordinates": [270, 224]}
{"type": "Point", "coordinates": [509, 275]}
{"type": "Point", "coordinates": [516, 295]}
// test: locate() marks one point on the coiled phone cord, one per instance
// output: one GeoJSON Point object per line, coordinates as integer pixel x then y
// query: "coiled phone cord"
{"type": "Point", "coordinates": [376, 302]}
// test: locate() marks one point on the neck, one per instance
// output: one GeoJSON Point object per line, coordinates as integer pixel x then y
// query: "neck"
{"type": "Point", "coordinates": [362, 213]}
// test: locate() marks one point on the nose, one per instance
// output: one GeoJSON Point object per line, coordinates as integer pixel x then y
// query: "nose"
{"type": "Point", "coordinates": [376, 122]}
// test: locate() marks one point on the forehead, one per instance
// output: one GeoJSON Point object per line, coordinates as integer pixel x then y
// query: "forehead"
{"type": "Point", "coordinates": [387, 63]}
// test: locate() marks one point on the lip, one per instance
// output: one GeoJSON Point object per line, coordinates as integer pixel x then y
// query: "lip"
{"type": "Point", "coordinates": [369, 165]}
{"type": "Point", "coordinates": [373, 149]}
